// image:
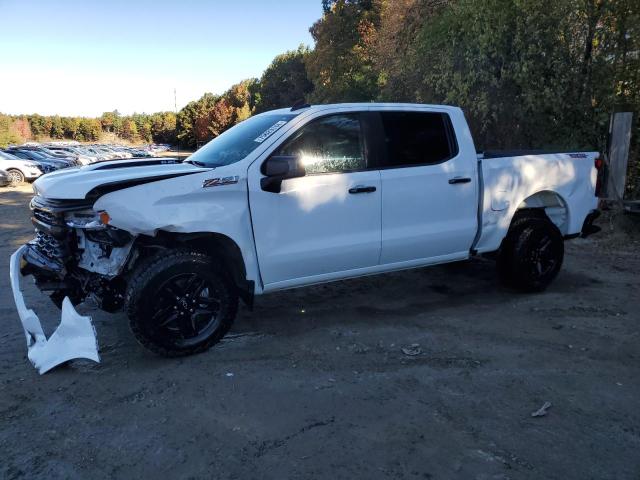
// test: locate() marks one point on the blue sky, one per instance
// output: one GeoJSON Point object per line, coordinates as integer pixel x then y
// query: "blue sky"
{"type": "Point", "coordinates": [87, 57]}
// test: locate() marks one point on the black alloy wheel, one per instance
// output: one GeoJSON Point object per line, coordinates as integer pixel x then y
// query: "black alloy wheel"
{"type": "Point", "coordinates": [180, 303]}
{"type": "Point", "coordinates": [531, 255]}
{"type": "Point", "coordinates": [188, 308]}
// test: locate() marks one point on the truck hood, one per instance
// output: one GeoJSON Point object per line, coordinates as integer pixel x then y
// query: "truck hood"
{"type": "Point", "coordinates": [78, 182]}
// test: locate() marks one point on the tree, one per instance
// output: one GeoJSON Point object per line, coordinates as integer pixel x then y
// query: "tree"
{"type": "Point", "coordinates": [21, 128]}
{"type": "Point", "coordinates": [342, 65]}
{"type": "Point", "coordinates": [284, 82]}
{"type": "Point", "coordinates": [57, 130]}
{"type": "Point", "coordinates": [110, 121]}
{"type": "Point", "coordinates": [185, 122]}
{"type": "Point", "coordinates": [89, 130]}
{"type": "Point", "coordinates": [70, 126]}
{"type": "Point", "coordinates": [163, 127]}
{"type": "Point", "coordinates": [8, 134]}
{"type": "Point", "coordinates": [37, 125]}
{"type": "Point", "coordinates": [129, 130]}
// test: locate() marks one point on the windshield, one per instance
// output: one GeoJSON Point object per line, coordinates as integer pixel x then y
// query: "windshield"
{"type": "Point", "coordinates": [8, 156]}
{"type": "Point", "coordinates": [32, 154]}
{"type": "Point", "coordinates": [239, 141]}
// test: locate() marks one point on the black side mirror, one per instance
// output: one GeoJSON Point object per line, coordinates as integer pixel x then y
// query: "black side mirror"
{"type": "Point", "coordinates": [279, 168]}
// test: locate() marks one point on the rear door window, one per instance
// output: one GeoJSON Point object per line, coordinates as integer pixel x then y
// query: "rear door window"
{"type": "Point", "coordinates": [417, 138]}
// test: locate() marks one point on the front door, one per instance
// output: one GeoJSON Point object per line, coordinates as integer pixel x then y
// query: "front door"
{"type": "Point", "coordinates": [328, 221]}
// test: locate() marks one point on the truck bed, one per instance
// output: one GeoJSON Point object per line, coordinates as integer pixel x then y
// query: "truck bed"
{"type": "Point", "coordinates": [562, 182]}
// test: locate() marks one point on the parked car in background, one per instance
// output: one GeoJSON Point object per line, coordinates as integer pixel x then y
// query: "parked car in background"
{"type": "Point", "coordinates": [17, 169]}
{"type": "Point", "coordinates": [140, 153]}
{"type": "Point", "coordinates": [124, 152]}
{"type": "Point", "coordinates": [84, 157]}
{"type": "Point", "coordinates": [4, 179]}
{"type": "Point", "coordinates": [65, 156]}
{"type": "Point", "coordinates": [45, 164]}
{"type": "Point", "coordinates": [99, 155]}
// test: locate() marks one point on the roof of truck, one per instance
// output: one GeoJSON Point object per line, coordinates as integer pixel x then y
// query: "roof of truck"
{"type": "Point", "coordinates": [375, 105]}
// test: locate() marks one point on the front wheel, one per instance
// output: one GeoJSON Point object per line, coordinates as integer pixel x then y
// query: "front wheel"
{"type": "Point", "coordinates": [180, 304]}
{"type": "Point", "coordinates": [15, 176]}
{"type": "Point", "coordinates": [531, 255]}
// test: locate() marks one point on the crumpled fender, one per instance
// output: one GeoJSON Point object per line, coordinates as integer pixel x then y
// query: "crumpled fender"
{"type": "Point", "coordinates": [75, 337]}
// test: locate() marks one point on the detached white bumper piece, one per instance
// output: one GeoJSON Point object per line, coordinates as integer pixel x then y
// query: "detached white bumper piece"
{"type": "Point", "coordinates": [75, 337]}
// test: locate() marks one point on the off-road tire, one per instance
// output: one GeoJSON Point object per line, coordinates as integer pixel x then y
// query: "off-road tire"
{"type": "Point", "coordinates": [516, 261]}
{"type": "Point", "coordinates": [142, 300]}
{"type": "Point", "coordinates": [15, 176]}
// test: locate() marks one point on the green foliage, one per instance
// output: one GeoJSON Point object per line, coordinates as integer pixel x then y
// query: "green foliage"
{"type": "Point", "coordinates": [284, 82]}
{"type": "Point", "coordinates": [8, 132]}
{"type": "Point", "coordinates": [528, 73]}
{"type": "Point", "coordinates": [342, 65]}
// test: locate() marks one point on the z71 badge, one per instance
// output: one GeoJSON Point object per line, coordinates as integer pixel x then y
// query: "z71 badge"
{"type": "Point", "coordinates": [217, 182]}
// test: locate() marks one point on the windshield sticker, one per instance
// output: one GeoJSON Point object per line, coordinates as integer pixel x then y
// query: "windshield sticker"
{"type": "Point", "coordinates": [270, 131]}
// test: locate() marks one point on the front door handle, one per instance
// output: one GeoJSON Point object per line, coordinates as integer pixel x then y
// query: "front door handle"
{"type": "Point", "coordinates": [453, 181]}
{"type": "Point", "coordinates": [361, 189]}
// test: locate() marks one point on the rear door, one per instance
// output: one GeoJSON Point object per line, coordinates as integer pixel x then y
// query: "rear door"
{"type": "Point", "coordinates": [327, 222]}
{"type": "Point", "coordinates": [429, 189]}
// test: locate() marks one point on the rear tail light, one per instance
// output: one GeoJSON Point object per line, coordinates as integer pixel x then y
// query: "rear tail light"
{"type": "Point", "coordinates": [599, 164]}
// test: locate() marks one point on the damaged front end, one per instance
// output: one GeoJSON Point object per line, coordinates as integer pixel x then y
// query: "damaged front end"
{"type": "Point", "coordinates": [74, 255]}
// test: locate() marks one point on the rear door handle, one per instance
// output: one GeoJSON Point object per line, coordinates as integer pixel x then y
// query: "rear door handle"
{"type": "Point", "coordinates": [361, 189]}
{"type": "Point", "coordinates": [453, 181]}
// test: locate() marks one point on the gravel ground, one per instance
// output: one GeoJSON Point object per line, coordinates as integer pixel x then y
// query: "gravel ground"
{"type": "Point", "coordinates": [314, 383]}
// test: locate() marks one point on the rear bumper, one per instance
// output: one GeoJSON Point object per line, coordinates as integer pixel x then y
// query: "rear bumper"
{"type": "Point", "coordinates": [75, 337]}
{"type": "Point", "coordinates": [588, 228]}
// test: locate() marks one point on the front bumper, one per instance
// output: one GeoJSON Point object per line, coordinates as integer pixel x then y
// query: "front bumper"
{"type": "Point", "coordinates": [75, 337]}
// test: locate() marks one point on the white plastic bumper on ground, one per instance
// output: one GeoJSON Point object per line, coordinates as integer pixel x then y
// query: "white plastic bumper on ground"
{"type": "Point", "coordinates": [75, 337]}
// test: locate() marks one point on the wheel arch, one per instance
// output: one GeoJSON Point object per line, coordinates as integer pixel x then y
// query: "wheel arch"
{"type": "Point", "coordinates": [549, 203]}
{"type": "Point", "coordinates": [219, 246]}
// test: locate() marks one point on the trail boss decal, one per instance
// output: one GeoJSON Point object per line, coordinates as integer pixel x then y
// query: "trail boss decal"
{"type": "Point", "coordinates": [217, 182]}
{"type": "Point", "coordinates": [269, 131]}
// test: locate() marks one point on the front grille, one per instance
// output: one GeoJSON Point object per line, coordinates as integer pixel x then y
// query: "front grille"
{"type": "Point", "coordinates": [48, 217]}
{"type": "Point", "coordinates": [49, 246]}
{"type": "Point", "coordinates": [52, 235]}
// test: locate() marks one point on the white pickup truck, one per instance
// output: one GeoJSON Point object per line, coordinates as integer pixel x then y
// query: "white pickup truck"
{"type": "Point", "coordinates": [288, 198]}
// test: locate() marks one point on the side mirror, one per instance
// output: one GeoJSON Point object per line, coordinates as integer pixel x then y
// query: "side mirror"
{"type": "Point", "coordinates": [278, 168]}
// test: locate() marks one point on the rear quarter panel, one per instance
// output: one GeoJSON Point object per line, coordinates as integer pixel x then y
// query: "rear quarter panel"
{"type": "Point", "coordinates": [509, 181]}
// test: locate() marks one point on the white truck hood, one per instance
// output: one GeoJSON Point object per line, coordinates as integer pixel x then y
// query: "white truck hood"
{"type": "Point", "coordinates": [76, 183]}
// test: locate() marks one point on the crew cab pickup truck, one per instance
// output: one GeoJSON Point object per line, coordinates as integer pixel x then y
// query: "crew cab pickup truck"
{"type": "Point", "coordinates": [289, 198]}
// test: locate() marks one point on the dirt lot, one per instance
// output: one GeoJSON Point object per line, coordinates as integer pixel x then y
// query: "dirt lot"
{"type": "Point", "coordinates": [314, 383]}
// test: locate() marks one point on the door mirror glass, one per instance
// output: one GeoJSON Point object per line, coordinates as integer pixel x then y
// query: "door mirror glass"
{"type": "Point", "coordinates": [286, 166]}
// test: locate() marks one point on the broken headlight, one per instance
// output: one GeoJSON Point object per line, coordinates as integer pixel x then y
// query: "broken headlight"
{"type": "Point", "coordinates": [84, 219]}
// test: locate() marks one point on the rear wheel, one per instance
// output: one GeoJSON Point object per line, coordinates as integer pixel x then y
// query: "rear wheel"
{"type": "Point", "coordinates": [15, 176]}
{"type": "Point", "coordinates": [180, 304]}
{"type": "Point", "coordinates": [531, 255]}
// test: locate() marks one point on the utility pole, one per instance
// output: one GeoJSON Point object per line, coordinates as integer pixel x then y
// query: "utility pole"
{"type": "Point", "coordinates": [175, 109]}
